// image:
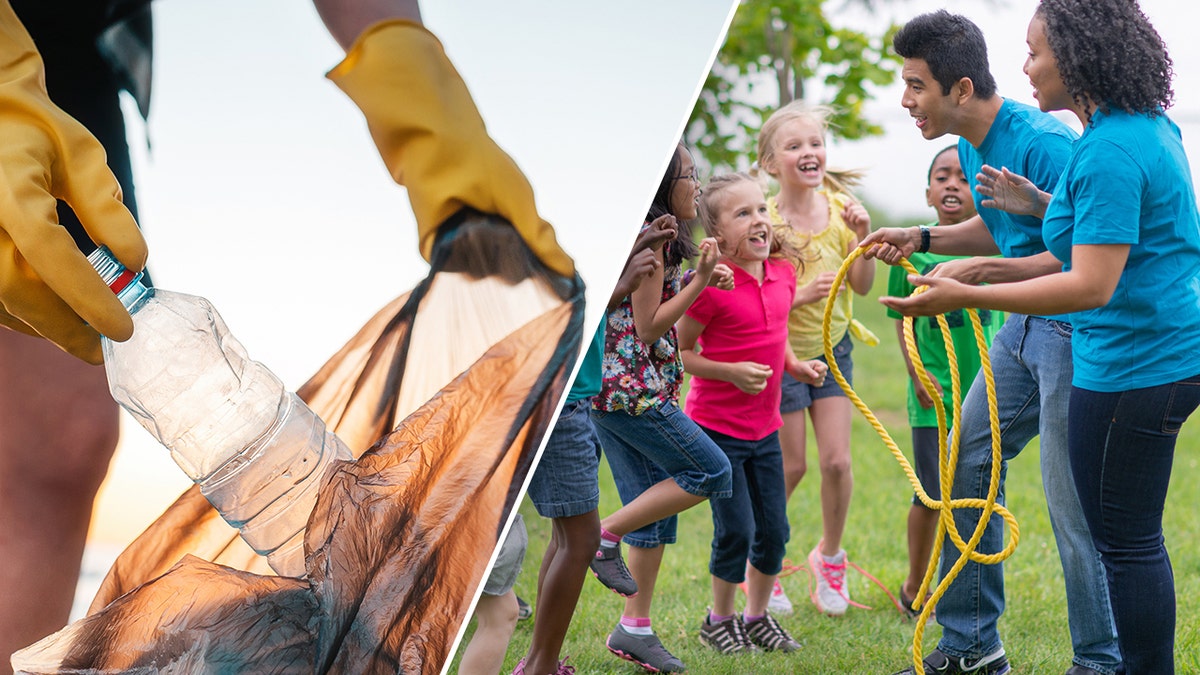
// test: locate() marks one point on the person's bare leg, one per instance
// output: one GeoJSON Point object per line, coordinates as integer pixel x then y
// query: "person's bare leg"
{"type": "Point", "coordinates": [58, 431]}
{"type": "Point", "coordinates": [831, 426]}
{"type": "Point", "coordinates": [758, 590]}
{"type": "Point", "coordinates": [560, 580]}
{"type": "Point", "coordinates": [922, 528]}
{"type": "Point", "coordinates": [724, 597]}
{"type": "Point", "coordinates": [644, 564]}
{"type": "Point", "coordinates": [793, 442]}
{"type": "Point", "coordinates": [495, 620]}
{"type": "Point", "coordinates": [662, 500]}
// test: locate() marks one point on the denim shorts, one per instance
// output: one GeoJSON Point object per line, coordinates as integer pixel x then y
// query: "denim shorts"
{"type": "Point", "coordinates": [644, 450]}
{"type": "Point", "coordinates": [566, 482]}
{"type": "Point", "coordinates": [798, 395]}
{"type": "Point", "coordinates": [508, 562]}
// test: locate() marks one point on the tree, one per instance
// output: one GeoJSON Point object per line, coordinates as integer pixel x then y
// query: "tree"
{"type": "Point", "coordinates": [778, 51]}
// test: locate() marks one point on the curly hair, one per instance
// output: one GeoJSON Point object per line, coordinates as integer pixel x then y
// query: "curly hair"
{"type": "Point", "coordinates": [953, 47]}
{"type": "Point", "coordinates": [1108, 53]}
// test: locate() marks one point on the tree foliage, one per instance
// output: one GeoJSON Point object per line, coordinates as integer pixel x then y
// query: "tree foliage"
{"type": "Point", "coordinates": [778, 51]}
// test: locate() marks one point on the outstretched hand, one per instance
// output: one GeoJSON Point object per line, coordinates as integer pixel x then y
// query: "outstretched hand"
{"type": "Point", "coordinates": [1010, 192]}
{"type": "Point", "coordinates": [889, 244]}
{"type": "Point", "coordinates": [941, 295]}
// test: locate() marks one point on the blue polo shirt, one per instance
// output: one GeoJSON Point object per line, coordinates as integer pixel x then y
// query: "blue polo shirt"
{"type": "Point", "coordinates": [1129, 182]}
{"type": "Point", "coordinates": [1033, 144]}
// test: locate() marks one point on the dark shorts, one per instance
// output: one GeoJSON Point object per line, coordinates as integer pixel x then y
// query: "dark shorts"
{"type": "Point", "coordinates": [925, 461]}
{"type": "Point", "coordinates": [797, 395]}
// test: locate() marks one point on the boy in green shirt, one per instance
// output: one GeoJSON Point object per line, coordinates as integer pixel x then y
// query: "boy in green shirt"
{"type": "Point", "coordinates": [949, 194]}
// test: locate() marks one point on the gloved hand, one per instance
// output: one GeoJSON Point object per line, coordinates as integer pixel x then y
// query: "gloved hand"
{"type": "Point", "coordinates": [432, 138]}
{"type": "Point", "coordinates": [47, 286]}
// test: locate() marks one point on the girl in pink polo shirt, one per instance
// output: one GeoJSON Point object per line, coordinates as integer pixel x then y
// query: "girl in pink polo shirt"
{"type": "Point", "coordinates": [735, 345]}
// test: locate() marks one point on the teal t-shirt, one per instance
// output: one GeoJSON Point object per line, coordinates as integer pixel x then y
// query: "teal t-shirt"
{"type": "Point", "coordinates": [1029, 142]}
{"type": "Point", "coordinates": [587, 380]}
{"type": "Point", "coordinates": [1129, 182]}
{"type": "Point", "coordinates": [932, 347]}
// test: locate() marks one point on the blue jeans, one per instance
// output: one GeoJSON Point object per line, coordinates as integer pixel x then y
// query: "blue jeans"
{"type": "Point", "coordinates": [752, 524]}
{"type": "Point", "coordinates": [1122, 449]}
{"type": "Point", "coordinates": [644, 450]}
{"type": "Point", "coordinates": [1031, 363]}
{"type": "Point", "coordinates": [566, 482]}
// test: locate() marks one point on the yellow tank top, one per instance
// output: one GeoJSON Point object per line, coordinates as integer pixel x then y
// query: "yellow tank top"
{"type": "Point", "coordinates": [821, 252]}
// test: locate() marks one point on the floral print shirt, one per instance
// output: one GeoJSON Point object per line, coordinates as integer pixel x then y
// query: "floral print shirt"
{"type": "Point", "coordinates": [636, 376]}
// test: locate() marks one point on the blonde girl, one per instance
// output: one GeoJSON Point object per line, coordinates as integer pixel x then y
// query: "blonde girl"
{"type": "Point", "coordinates": [812, 212]}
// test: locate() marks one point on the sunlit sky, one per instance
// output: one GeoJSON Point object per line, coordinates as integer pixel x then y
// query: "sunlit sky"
{"type": "Point", "coordinates": [262, 190]}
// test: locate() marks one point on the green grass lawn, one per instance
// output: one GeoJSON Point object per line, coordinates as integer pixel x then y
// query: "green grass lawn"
{"type": "Point", "coordinates": [876, 641]}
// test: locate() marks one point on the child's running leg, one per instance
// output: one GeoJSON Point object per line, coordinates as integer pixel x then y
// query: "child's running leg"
{"type": "Point", "coordinates": [573, 542]}
{"type": "Point", "coordinates": [831, 426]}
{"type": "Point", "coordinates": [793, 442]}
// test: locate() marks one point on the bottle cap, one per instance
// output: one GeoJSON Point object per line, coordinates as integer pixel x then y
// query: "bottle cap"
{"type": "Point", "coordinates": [127, 285]}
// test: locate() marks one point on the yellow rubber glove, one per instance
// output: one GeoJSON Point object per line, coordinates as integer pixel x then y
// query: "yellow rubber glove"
{"type": "Point", "coordinates": [432, 138]}
{"type": "Point", "coordinates": [47, 287]}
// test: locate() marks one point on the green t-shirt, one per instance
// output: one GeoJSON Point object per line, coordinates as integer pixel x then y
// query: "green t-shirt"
{"type": "Point", "coordinates": [929, 340]}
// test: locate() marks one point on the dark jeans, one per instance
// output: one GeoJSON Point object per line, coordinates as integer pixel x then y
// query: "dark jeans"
{"type": "Point", "coordinates": [1122, 447]}
{"type": "Point", "coordinates": [752, 524]}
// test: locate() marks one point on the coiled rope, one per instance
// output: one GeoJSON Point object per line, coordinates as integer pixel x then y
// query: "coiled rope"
{"type": "Point", "coordinates": [947, 456]}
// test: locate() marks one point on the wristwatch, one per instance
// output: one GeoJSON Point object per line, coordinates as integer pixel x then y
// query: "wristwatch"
{"type": "Point", "coordinates": [924, 247]}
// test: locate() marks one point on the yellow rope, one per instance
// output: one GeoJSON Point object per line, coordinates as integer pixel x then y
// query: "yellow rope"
{"type": "Point", "coordinates": [947, 457]}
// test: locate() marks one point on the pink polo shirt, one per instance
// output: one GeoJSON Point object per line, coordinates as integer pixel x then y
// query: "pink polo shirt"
{"type": "Point", "coordinates": [749, 323]}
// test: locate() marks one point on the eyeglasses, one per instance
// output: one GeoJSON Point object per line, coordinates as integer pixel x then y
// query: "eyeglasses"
{"type": "Point", "coordinates": [693, 176]}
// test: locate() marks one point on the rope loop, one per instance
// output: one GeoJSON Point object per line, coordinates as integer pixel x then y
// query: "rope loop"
{"type": "Point", "coordinates": [947, 454]}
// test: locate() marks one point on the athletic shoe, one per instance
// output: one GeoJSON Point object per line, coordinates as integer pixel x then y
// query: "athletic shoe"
{"type": "Point", "coordinates": [609, 567]}
{"type": "Point", "coordinates": [524, 610]}
{"type": "Point", "coordinates": [770, 636]}
{"type": "Point", "coordinates": [906, 606]}
{"type": "Point", "coordinates": [779, 603]}
{"type": "Point", "coordinates": [563, 668]}
{"type": "Point", "coordinates": [831, 596]}
{"type": "Point", "coordinates": [937, 662]}
{"type": "Point", "coordinates": [645, 650]}
{"type": "Point", "coordinates": [728, 636]}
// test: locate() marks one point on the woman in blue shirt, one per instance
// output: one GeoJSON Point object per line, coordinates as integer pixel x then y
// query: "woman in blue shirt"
{"type": "Point", "coordinates": [1123, 220]}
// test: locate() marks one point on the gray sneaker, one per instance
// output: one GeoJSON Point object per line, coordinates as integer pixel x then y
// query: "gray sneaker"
{"type": "Point", "coordinates": [728, 636]}
{"type": "Point", "coordinates": [645, 650]}
{"type": "Point", "coordinates": [770, 636]}
{"type": "Point", "coordinates": [609, 567]}
{"type": "Point", "coordinates": [937, 662]}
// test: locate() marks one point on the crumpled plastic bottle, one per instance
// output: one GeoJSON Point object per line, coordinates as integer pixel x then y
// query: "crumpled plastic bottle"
{"type": "Point", "coordinates": [257, 451]}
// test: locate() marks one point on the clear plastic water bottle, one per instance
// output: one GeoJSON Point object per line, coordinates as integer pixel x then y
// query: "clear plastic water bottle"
{"type": "Point", "coordinates": [256, 450]}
